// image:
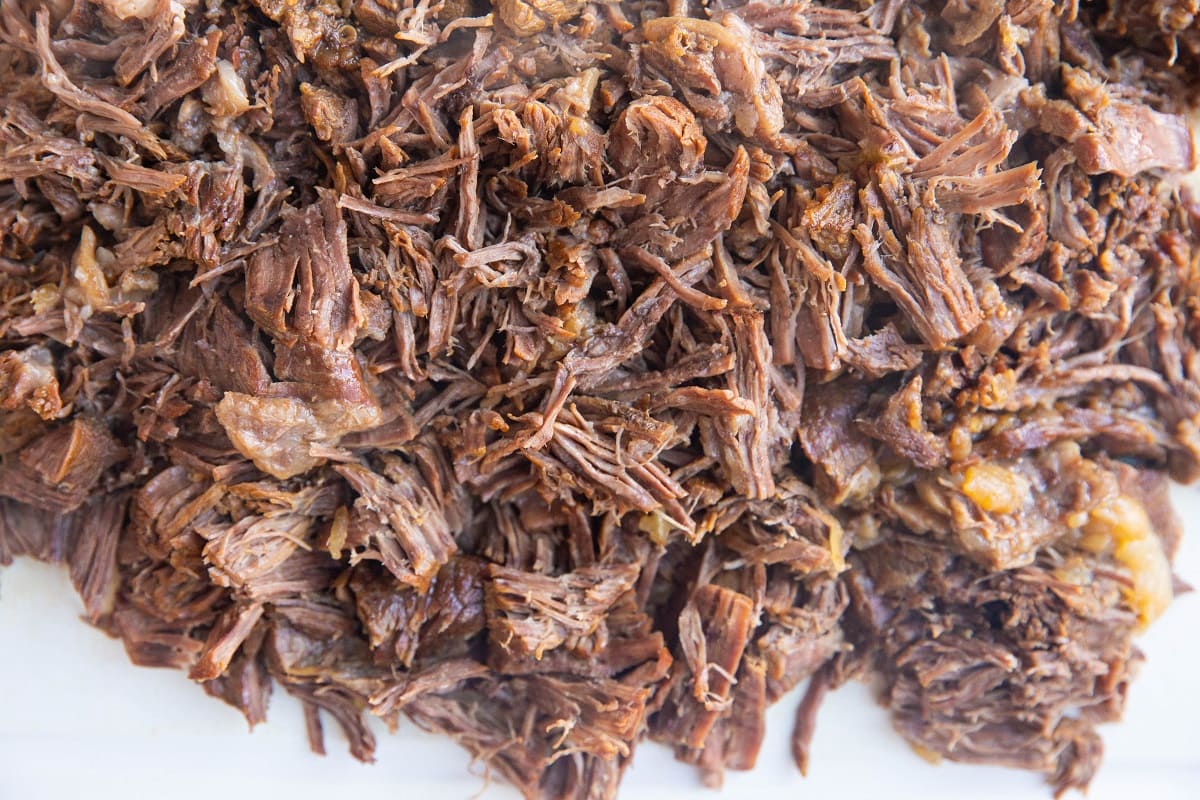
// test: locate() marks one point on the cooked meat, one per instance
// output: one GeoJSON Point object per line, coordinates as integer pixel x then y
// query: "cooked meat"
{"type": "Point", "coordinates": [563, 374]}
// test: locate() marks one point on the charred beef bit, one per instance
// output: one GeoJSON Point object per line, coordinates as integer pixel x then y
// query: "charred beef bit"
{"type": "Point", "coordinates": [574, 372]}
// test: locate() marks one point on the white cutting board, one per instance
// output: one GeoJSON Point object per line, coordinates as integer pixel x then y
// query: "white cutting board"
{"type": "Point", "coordinates": [78, 721]}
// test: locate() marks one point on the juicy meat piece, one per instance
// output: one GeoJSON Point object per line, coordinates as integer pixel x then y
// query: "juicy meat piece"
{"type": "Point", "coordinates": [1123, 137]}
{"type": "Point", "coordinates": [435, 625]}
{"type": "Point", "coordinates": [829, 218]}
{"type": "Point", "coordinates": [979, 681]}
{"type": "Point", "coordinates": [303, 292]}
{"type": "Point", "coordinates": [303, 287]}
{"type": "Point", "coordinates": [226, 637]}
{"type": "Point", "coordinates": [923, 275]}
{"type": "Point", "coordinates": [219, 348]}
{"type": "Point", "coordinates": [528, 17]}
{"type": "Point", "coordinates": [846, 466]}
{"type": "Point", "coordinates": [970, 20]}
{"type": "Point", "coordinates": [746, 446]}
{"type": "Point", "coordinates": [697, 211]}
{"type": "Point", "coordinates": [901, 425]}
{"type": "Point", "coordinates": [882, 353]}
{"type": "Point", "coordinates": [332, 383]}
{"type": "Point", "coordinates": [193, 64]}
{"type": "Point", "coordinates": [333, 117]}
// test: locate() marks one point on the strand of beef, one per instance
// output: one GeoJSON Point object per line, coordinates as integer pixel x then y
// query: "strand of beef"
{"type": "Point", "coordinates": [561, 374]}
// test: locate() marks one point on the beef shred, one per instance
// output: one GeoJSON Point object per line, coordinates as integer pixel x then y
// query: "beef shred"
{"type": "Point", "coordinates": [563, 374]}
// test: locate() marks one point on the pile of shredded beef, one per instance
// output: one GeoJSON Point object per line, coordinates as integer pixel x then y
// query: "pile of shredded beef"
{"type": "Point", "coordinates": [562, 374]}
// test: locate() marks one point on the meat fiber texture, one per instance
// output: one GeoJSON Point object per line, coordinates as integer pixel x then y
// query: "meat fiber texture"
{"type": "Point", "coordinates": [562, 375]}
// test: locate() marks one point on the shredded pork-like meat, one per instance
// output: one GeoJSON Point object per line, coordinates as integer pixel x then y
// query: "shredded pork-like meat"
{"type": "Point", "coordinates": [562, 374]}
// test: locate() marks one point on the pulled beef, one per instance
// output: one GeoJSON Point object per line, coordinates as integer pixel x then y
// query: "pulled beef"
{"type": "Point", "coordinates": [1012, 667]}
{"type": "Point", "coordinates": [563, 374]}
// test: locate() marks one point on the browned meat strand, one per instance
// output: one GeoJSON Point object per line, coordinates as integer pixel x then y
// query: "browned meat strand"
{"type": "Point", "coordinates": [562, 374]}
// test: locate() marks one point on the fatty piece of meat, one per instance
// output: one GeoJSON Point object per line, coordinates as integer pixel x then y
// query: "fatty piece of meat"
{"type": "Point", "coordinates": [276, 433]}
{"type": "Point", "coordinates": [27, 378]}
{"type": "Point", "coordinates": [1126, 138]}
{"type": "Point", "coordinates": [716, 67]}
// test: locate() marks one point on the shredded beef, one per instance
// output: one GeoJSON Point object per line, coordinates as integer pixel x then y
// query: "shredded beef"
{"type": "Point", "coordinates": [564, 374]}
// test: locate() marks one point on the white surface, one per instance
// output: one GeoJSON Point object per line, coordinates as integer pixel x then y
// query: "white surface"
{"type": "Point", "coordinates": [78, 721]}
